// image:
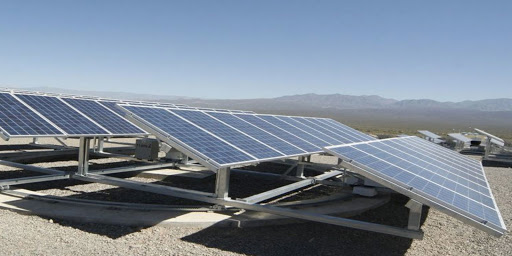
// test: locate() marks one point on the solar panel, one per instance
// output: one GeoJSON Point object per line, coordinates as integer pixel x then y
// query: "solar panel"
{"type": "Point", "coordinates": [257, 133]}
{"type": "Point", "coordinates": [18, 120]}
{"type": "Point", "coordinates": [429, 134]}
{"type": "Point", "coordinates": [189, 136]}
{"type": "Point", "coordinates": [349, 135]}
{"type": "Point", "coordinates": [309, 130]}
{"type": "Point", "coordinates": [63, 116]}
{"type": "Point", "coordinates": [236, 138]}
{"type": "Point", "coordinates": [428, 173]}
{"type": "Point", "coordinates": [112, 106]}
{"type": "Point", "coordinates": [459, 137]}
{"type": "Point", "coordinates": [279, 132]}
{"type": "Point", "coordinates": [343, 128]}
{"type": "Point", "coordinates": [340, 137]}
{"type": "Point", "coordinates": [493, 139]}
{"type": "Point", "coordinates": [300, 133]}
{"type": "Point", "coordinates": [105, 117]}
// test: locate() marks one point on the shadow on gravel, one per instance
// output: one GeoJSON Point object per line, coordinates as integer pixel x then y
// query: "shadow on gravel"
{"type": "Point", "coordinates": [314, 238]}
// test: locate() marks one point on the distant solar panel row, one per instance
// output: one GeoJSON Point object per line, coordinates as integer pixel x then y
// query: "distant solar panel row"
{"type": "Point", "coordinates": [431, 174]}
{"type": "Point", "coordinates": [32, 115]}
{"type": "Point", "coordinates": [243, 138]}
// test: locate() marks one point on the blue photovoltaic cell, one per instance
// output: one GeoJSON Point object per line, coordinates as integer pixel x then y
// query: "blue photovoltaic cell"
{"type": "Point", "coordinates": [228, 134]}
{"type": "Point", "coordinates": [190, 135]}
{"type": "Point", "coordinates": [62, 115]}
{"type": "Point", "coordinates": [343, 138]}
{"type": "Point", "coordinates": [341, 127]}
{"type": "Point", "coordinates": [257, 133]}
{"type": "Point", "coordinates": [283, 134]}
{"type": "Point", "coordinates": [106, 118]}
{"type": "Point", "coordinates": [299, 133]}
{"type": "Point", "coordinates": [308, 129]}
{"type": "Point", "coordinates": [348, 134]}
{"type": "Point", "coordinates": [431, 171]}
{"type": "Point", "coordinates": [112, 106]}
{"type": "Point", "coordinates": [18, 120]}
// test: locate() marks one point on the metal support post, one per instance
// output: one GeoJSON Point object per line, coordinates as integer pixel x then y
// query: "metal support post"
{"type": "Point", "coordinates": [222, 183]}
{"type": "Point", "coordinates": [300, 167]}
{"type": "Point", "coordinates": [83, 156]}
{"type": "Point", "coordinates": [488, 147]}
{"type": "Point", "coordinates": [35, 140]}
{"type": "Point", "coordinates": [415, 208]}
{"type": "Point", "coordinates": [100, 145]}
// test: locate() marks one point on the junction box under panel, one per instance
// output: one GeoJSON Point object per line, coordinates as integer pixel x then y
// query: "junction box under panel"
{"type": "Point", "coordinates": [147, 149]}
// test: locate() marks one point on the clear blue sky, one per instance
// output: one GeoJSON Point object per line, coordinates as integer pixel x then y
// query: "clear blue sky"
{"type": "Point", "coordinates": [444, 50]}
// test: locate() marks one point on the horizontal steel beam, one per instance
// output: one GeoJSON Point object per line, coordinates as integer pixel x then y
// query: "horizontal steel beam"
{"type": "Point", "coordinates": [34, 179]}
{"type": "Point", "coordinates": [31, 167]}
{"type": "Point", "coordinates": [132, 169]}
{"type": "Point", "coordinates": [288, 188]}
{"type": "Point", "coordinates": [155, 188]}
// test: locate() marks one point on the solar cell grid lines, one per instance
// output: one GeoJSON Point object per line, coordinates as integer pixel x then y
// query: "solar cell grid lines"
{"type": "Point", "coordinates": [314, 132]}
{"type": "Point", "coordinates": [234, 137]}
{"type": "Point", "coordinates": [279, 132]}
{"type": "Point", "coordinates": [428, 173]}
{"type": "Point", "coordinates": [103, 116]}
{"type": "Point", "coordinates": [345, 129]}
{"type": "Point", "coordinates": [62, 115]}
{"type": "Point", "coordinates": [18, 120]}
{"type": "Point", "coordinates": [341, 138]}
{"type": "Point", "coordinates": [257, 133]}
{"type": "Point", "coordinates": [112, 106]}
{"type": "Point", "coordinates": [349, 135]}
{"type": "Point", "coordinates": [188, 135]}
{"type": "Point", "coordinates": [300, 133]}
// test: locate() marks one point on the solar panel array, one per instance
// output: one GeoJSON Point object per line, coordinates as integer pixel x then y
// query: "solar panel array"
{"type": "Point", "coordinates": [226, 139]}
{"type": "Point", "coordinates": [430, 174]}
{"type": "Point", "coordinates": [35, 115]}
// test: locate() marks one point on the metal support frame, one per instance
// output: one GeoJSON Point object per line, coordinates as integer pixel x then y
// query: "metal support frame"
{"type": "Point", "coordinates": [288, 188]}
{"type": "Point", "coordinates": [222, 183]}
{"type": "Point", "coordinates": [61, 142]}
{"type": "Point", "coordinates": [214, 199]}
{"type": "Point", "coordinates": [488, 147]}
{"type": "Point", "coordinates": [221, 193]}
{"type": "Point", "coordinates": [99, 146]}
{"type": "Point", "coordinates": [300, 167]}
{"type": "Point", "coordinates": [415, 209]}
{"type": "Point", "coordinates": [83, 156]}
{"type": "Point", "coordinates": [35, 140]}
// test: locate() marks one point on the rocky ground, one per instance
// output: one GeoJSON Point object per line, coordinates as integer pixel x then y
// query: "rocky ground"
{"type": "Point", "coordinates": [444, 235]}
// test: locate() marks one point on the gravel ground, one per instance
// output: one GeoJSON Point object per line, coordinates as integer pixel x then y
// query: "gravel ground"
{"type": "Point", "coordinates": [33, 235]}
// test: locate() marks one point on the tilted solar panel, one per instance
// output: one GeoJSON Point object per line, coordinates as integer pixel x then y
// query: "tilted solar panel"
{"type": "Point", "coordinates": [279, 132]}
{"type": "Point", "coordinates": [112, 106]}
{"type": "Point", "coordinates": [258, 133]}
{"type": "Point", "coordinates": [236, 138]}
{"type": "Point", "coordinates": [428, 173]}
{"type": "Point", "coordinates": [302, 134]}
{"type": "Point", "coordinates": [189, 135]}
{"type": "Point", "coordinates": [459, 137]}
{"type": "Point", "coordinates": [341, 137]}
{"type": "Point", "coordinates": [62, 115]}
{"type": "Point", "coordinates": [17, 120]}
{"type": "Point", "coordinates": [345, 129]}
{"type": "Point", "coordinates": [104, 117]}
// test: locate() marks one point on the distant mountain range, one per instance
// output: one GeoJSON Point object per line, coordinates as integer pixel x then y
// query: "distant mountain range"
{"type": "Point", "coordinates": [363, 112]}
{"type": "Point", "coordinates": [326, 101]}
